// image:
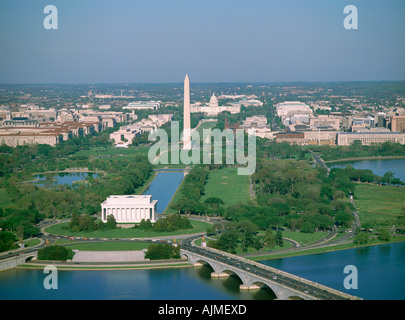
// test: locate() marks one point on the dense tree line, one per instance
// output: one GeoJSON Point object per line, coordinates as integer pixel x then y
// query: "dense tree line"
{"type": "Point", "coordinates": [23, 220]}
{"type": "Point", "coordinates": [243, 235]}
{"type": "Point", "coordinates": [86, 198]}
{"type": "Point", "coordinates": [356, 149]}
{"type": "Point", "coordinates": [295, 195]}
{"type": "Point", "coordinates": [162, 251]}
{"type": "Point", "coordinates": [7, 241]}
{"type": "Point", "coordinates": [192, 188]}
{"type": "Point", "coordinates": [57, 253]}
{"type": "Point", "coordinates": [27, 203]}
{"type": "Point", "coordinates": [36, 156]}
{"type": "Point", "coordinates": [85, 222]}
{"type": "Point", "coordinates": [169, 223]}
{"type": "Point", "coordinates": [172, 222]}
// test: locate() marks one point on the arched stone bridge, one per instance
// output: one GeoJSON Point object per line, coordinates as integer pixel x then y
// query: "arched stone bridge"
{"type": "Point", "coordinates": [17, 259]}
{"type": "Point", "coordinates": [255, 275]}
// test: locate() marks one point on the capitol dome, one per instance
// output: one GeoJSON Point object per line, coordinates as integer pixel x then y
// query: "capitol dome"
{"type": "Point", "coordinates": [213, 101]}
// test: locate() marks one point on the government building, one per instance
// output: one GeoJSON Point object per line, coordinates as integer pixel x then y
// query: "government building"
{"type": "Point", "coordinates": [369, 138]}
{"type": "Point", "coordinates": [213, 108]}
{"type": "Point", "coordinates": [129, 208]}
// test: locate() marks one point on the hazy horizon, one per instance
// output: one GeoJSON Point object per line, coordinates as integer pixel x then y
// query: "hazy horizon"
{"type": "Point", "coordinates": [200, 82]}
{"type": "Point", "coordinates": [228, 41]}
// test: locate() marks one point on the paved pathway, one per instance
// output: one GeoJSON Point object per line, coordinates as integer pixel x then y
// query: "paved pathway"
{"type": "Point", "coordinates": [107, 256]}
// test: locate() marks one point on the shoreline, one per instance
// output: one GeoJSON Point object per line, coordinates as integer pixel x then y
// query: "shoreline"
{"type": "Point", "coordinates": [144, 265]}
{"type": "Point", "coordinates": [366, 158]}
{"type": "Point", "coordinates": [182, 263]}
{"type": "Point", "coordinates": [148, 182]}
{"type": "Point", "coordinates": [173, 196]}
{"type": "Point", "coordinates": [331, 248]}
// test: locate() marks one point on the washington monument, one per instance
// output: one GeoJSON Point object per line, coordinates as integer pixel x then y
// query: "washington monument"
{"type": "Point", "coordinates": [186, 122]}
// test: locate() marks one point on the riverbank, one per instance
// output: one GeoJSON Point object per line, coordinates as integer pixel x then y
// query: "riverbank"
{"type": "Point", "coordinates": [147, 183]}
{"type": "Point", "coordinates": [366, 158]}
{"type": "Point", "coordinates": [327, 248]}
{"type": "Point", "coordinates": [139, 265]}
{"type": "Point", "coordinates": [72, 170]}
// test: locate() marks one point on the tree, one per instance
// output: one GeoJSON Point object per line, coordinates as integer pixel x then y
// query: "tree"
{"type": "Point", "coordinates": [162, 251]}
{"type": "Point", "coordinates": [74, 221]}
{"type": "Point", "coordinates": [269, 239]}
{"type": "Point", "coordinates": [145, 225]}
{"type": "Point", "coordinates": [361, 238]}
{"type": "Point", "coordinates": [54, 253]}
{"type": "Point", "coordinates": [384, 235]}
{"type": "Point", "coordinates": [279, 239]}
{"type": "Point", "coordinates": [388, 176]}
{"type": "Point", "coordinates": [228, 241]}
{"type": "Point", "coordinates": [172, 222]}
{"type": "Point", "coordinates": [308, 227]}
{"type": "Point", "coordinates": [214, 202]}
{"type": "Point", "coordinates": [248, 231]}
{"type": "Point", "coordinates": [344, 219]}
{"type": "Point", "coordinates": [111, 222]}
{"type": "Point", "coordinates": [7, 241]}
{"type": "Point", "coordinates": [86, 223]}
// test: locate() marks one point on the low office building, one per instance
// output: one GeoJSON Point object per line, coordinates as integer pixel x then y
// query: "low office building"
{"type": "Point", "coordinates": [20, 136]}
{"type": "Point", "coordinates": [320, 137]}
{"type": "Point", "coordinates": [143, 105]}
{"type": "Point", "coordinates": [368, 138]}
{"type": "Point", "coordinates": [291, 137]}
{"type": "Point", "coordinates": [129, 208]}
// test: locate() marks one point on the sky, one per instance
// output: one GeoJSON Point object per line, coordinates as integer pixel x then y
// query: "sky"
{"type": "Point", "coordinates": [159, 41]}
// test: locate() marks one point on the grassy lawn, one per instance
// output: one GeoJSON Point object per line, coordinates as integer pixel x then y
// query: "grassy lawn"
{"type": "Point", "coordinates": [205, 125]}
{"type": "Point", "coordinates": [198, 226]}
{"type": "Point", "coordinates": [381, 204]}
{"type": "Point", "coordinates": [31, 242]}
{"type": "Point", "coordinates": [303, 238]}
{"type": "Point", "coordinates": [226, 184]}
{"type": "Point", "coordinates": [176, 197]}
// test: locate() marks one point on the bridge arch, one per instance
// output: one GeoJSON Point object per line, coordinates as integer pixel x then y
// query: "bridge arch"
{"type": "Point", "coordinates": [230, 273]}
{"type": "Point", "coordinates": [255, 275]}
{"type": "Point", "coordinates": [265, 286]}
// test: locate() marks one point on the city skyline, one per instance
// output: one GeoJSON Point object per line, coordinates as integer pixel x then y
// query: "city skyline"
{"type": "Point", "coordinates": [238, 41]}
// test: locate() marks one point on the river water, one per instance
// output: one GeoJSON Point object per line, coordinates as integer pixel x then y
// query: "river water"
{"type": "Point", "coordinates": [380, 269]}
{"type": "Point", "coordinates": [381, 272]}
{"type": "Point", "coordinates": [163, 187]}
{"type": "Point", "coordinates": [62, 178]}
{"type": "Point", "coordinates": [379, 167]}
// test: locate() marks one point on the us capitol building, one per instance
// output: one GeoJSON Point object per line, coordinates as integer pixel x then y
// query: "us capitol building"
{"type": "Point", "coordinates": [213, 108]}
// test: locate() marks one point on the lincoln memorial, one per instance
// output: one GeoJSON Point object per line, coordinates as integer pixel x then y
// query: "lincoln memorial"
{"type": "Point", "coordinates": [129, 209]}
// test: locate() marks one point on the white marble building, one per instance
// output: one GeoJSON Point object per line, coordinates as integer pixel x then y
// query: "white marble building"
{"type": "Point", "coordinates": [129, 208]}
